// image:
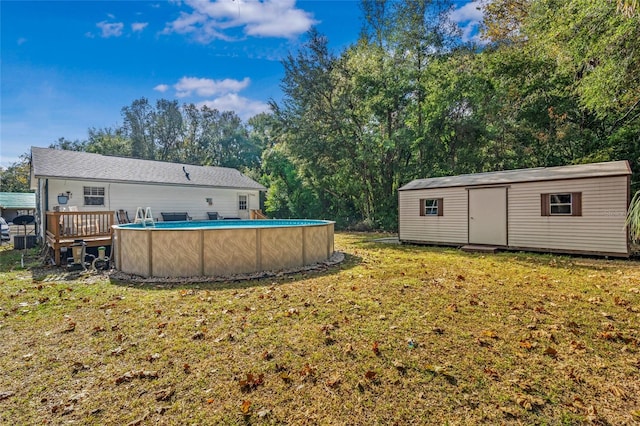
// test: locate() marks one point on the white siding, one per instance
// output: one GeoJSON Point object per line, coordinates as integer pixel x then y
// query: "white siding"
{"type": "Point", "coordinates": [600, 228]}
{"type": "Point", "coordinates": [160, 198]}
{"type": "Point", "coordinates": [450, 228]}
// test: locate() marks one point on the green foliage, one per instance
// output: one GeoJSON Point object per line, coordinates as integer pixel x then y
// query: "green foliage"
{"type": "Point", "coordinates": [15, 178]}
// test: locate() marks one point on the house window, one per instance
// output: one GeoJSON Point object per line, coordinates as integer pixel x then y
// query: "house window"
{"type": "Point", "coordinates": [561, 204]}
{"type": "Point", "coordinates": [94, 196]}
{"type": "Point", "coordinates": [242, 202]}
{"type": "Point", "coordinates": [431, 207]}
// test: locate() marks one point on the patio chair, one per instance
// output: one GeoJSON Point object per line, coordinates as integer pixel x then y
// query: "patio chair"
{"type": "Point", "coordinates": [175, 216]}
{"type": "Point", "coordinates": [213, 215]}
{"type": "Point", "coordinates": [122, 216]}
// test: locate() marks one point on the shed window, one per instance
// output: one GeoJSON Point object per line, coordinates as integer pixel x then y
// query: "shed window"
{"type": "Point", "coordinates": [431, 207]}
{"type": "Point", "coordinates": [94, 195]}
{"type": "Point", "coordinates": [561, 204]}
{"type": "Point", "coordinates": [242, 202]}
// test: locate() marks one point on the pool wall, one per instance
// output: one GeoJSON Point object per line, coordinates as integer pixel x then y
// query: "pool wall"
{"type": "Point", "coordinates": [185, 252]}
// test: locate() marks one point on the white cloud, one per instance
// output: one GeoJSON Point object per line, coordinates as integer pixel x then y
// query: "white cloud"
{"type": "Point", "coordinates": [245, 108]}
{"type": "Point", "coordinates": [161, 88]}
{"type": "Point", "coordinates": [21, 41]}
{"type": "Point", "coordinates": [110, 29]}
{"type": "Point", "coordinates": [471, 11]}
{"type": "Point", "coordinates": [139, 26]}
{"type": "Point", "coordinates": [214, 19]}
{"type": "Point", "coordinates": [207, 87]}
{"type": "Point", "coordinates": [468, 18]}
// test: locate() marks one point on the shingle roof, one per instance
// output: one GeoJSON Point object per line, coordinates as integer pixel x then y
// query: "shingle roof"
{"type": "Point", "coordinates": [56, 163]}
{"type": "Point", "coordinates": [17, 200]}
{"type": "Point", "coordinates": [611, 168]}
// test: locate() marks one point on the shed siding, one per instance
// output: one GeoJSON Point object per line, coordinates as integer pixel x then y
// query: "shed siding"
{"type": "Point", "coordinates": [600, 228]}
{"type": "Point", "coordinates": [161, 198]}
{"type": "Point", "coordinates": [450, 228]}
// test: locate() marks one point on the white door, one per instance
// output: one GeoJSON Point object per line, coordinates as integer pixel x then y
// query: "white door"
{"type": "Point", "coordinates": [488, 216]}
{"type": "Point", "coordinates": [243, 206]}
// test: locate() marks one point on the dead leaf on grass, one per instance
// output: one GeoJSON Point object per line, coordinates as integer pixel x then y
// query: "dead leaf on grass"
{"type": "Point", "coordinates": [245, 407]}
{"type": "Point", "coordinates": [141, 374]}
{"type": "Point", "coordinates": [164, 394]}
{"type": "Point", "coordinates": [492, 373]}
{"type": "Point", "coordinates": [252, 382]}
{"type": "Point", "coordinates": [551, 352]}
{"type": "Point", "coordinates": [529, 402]}
{"type": "Point", "coordinates": [376, 349]}
{"type": "Point", "coordinates": [6, 394]}
{"type": "Point", "coordinates": [334, 381]}
{"type": "Point", "coordinates": [370, 375]}
{"type": "Point", "coordinates": [525, 344]}
{"type": "Point", "coordinates": [71, 326]}
{"type": "Point", "coordinates": [117, 351]}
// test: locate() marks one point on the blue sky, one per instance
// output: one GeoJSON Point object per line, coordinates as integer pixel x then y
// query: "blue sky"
{"type": "Point", "coordinates": [69, 66]}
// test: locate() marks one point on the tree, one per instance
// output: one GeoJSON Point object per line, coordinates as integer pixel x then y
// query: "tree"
{"type": "Point", "coordinates": [16, 177]}
{"type": "Point", "coordinates": [139, 128]}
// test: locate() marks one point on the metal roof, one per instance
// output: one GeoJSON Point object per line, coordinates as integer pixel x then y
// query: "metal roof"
{"type": "Point", "coordinates": [610, 168]}
{"type": "Point", "coordinates": [75, 165]}
{"type": "Point", "coordinates": [17, 200]}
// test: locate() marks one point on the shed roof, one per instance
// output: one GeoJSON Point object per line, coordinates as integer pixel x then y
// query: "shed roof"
{"type": "Point", "coordinates": [74, 165]}
{"type": "Point", "coordinates": [17, 200]}
{"type": "Point", "coordinates": [610, 168]}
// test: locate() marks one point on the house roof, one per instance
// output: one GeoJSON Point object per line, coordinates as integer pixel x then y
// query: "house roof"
{"type": "Point", "coordinates": [17, 200]}
{"type": "Point", "coordinates": [74, 165]}
{"type": "Point", "coordinates": [610, 168]}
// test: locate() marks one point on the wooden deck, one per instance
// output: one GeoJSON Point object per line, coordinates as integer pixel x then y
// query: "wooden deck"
{"type": "Point", "coordinates": [64, 228]}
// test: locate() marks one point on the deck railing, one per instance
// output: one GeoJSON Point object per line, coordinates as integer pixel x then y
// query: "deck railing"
{"type": "Point", "coordinates": [94, 227]}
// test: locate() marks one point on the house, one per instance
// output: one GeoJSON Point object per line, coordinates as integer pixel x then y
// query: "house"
{"type": "Point", "coordinates": [568, 209]}
{"type": "Point", "coordinates": [94, 186]}
{"type": "Point", "coordinates": [14, 204]}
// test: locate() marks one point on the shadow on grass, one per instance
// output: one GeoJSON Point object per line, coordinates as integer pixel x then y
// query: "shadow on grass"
{"type": "Point", "coordinates": [522, 258]}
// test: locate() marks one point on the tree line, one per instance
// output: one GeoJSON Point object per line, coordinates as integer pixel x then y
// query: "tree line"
{"type": "Point", "coordinates": [551, 83]}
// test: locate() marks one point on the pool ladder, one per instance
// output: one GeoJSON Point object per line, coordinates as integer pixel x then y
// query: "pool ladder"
{"type": "Point", "coordinates": [144, 217]}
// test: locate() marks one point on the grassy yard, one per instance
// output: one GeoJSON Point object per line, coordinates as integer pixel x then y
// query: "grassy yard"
{"type": "Point", "coordinates": [393, 335]}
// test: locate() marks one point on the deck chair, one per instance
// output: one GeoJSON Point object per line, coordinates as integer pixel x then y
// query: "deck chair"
{"type": "Point", "coordinates": [212, 215]}
{"type": "Point", "coordinates": [122, 216]}
{"type": "Point", "coordinates": [175, 216]}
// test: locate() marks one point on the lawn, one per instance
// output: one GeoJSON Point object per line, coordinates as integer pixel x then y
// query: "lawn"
{"type": "Point", "coordinates": [395, 334]}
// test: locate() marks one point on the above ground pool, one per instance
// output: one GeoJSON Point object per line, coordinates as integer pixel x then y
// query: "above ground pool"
{"type": "Point", "coordinates": [220, 247]}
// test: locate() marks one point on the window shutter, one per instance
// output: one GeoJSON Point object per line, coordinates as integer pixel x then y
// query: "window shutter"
{"type": "Point", "coordinates": [576, 204]}
{"type": "Point", "coordinates": [440, 207]}
{"type": "Point", "coordinates": [422, 207]}
{"type": "Point", "coordinates": [544, 205]}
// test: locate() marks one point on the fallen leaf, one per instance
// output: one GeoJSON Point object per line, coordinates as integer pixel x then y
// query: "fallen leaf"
{"type": "Point", "coordinates": [246, 405]}
{"type": "Point", "coordinates": [525, 344]}
{"type": "Point", "coordinates": [370, 375]}
{"type": "Point", "coordinates": [333, 381]}
{"type": "Point", "coordinates": [551, 352]}
{"type": "Point", "coordinates": [492, 373]}
{"type": "Point", "coordinates": [264, 412]}
{"type": "Point", "coordinates": [198, 336]}
{"type": "Point", "coordinates": [6, 394]}
{"type": "Point", "coordinates": [164, 394]}
{"type": "Point", "coordinates": [376, 348]}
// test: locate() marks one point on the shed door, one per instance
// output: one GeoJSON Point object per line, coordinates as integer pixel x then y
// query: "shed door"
{"type": "Point", "coordinates": [243, 206]}
{"type": "Point", "coordinates": [488, 216]}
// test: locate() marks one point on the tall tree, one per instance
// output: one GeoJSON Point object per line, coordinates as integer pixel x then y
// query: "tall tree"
{"type": "Point", "coordinates": [139, 128]}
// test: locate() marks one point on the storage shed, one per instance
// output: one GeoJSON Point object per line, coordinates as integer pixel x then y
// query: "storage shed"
{"type": "Point", "coordinates": [567, 209]}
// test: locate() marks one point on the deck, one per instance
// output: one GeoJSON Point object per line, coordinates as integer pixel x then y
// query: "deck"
{"type": "Point", "coordinates": [64, 228]}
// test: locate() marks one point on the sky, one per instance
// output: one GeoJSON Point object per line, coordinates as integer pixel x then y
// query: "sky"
{"type": "Point", "coordinates": [67, 66]}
